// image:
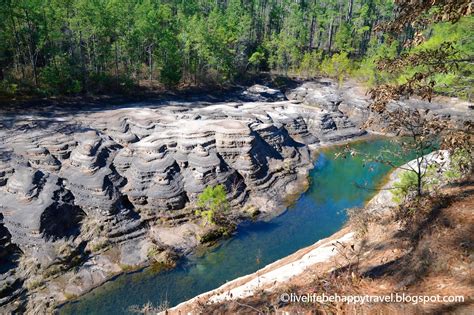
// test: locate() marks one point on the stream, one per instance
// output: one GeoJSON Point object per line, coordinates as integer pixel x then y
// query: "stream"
{"type": "Point", "coordinates": [318, 213]}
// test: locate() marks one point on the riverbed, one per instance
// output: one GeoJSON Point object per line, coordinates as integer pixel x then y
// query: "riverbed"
{"type": "Point", "coordinates": [336, 184]}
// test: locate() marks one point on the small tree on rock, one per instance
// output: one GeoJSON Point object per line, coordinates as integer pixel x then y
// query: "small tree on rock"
{"type": "Point", "coordinates": [213, 204]}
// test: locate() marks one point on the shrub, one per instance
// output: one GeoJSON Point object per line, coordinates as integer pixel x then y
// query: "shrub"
{"type": "Point", "coordinates": [309, 66]}
{"type": "Point", "coordinates": [212, 203]}
{"type": "Point", "coordinates": [367, 70]}
{"type": "Point", "coordinates": [153, 251]}
{"type": "Point", "coordinates": [105, 83]}
{"type": "Point", "coordinates": [257, 60]}
{"type": "Point", "coordinates": [127, 268]}
{"type": "Point", "coordinates": [34, 283]}
{"type": "Point", "coordinates": [60, 77]}
{"type": "Point", "coordinates": [406, 186]}
{"type": "Point", "coordinates": [460, 165]}
{"type": "Point", "coordinates": [215, 234]}
{"type": "Point", "coordinates": [171, 73]}
{"type": "Point", "coordinates": [338, 66]}
{"type": "Point", "coordinates": [357, 217]}
{"type": "Point", "coordinates": [98, 244]}
{"type": "Point", "coordinates": [8, 89]}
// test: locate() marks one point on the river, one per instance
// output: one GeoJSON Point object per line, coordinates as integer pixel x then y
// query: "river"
{"type": "Point", "coordinates": [318, 213]}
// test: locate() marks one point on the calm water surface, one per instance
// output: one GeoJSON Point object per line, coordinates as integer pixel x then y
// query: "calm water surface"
{"type": "Point", "coordinates": [318, 213]}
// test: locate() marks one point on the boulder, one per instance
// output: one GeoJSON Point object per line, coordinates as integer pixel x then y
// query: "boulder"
{"type": "Point", "coordinates": [260, 92]}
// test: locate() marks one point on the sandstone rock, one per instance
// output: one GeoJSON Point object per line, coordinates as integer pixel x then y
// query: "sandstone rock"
{"type": "Point", "coordinates": [115, 178]}
{"type": "Point", "coordinates": [11, 284]}
{"type": "Point", "coordinates": [259, 92]}
{"type": "Point", "coordinates": [123, 167]}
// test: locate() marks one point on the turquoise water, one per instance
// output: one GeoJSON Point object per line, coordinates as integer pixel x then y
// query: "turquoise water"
{"type": "Point", "coordinates": [318, 213]}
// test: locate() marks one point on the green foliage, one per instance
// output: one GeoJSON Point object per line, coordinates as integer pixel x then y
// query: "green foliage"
{"type": "Point", "coordinates": [103, 83]}
{"type": "Point", "coordinates": [60, 77]}
{"type": "Point", "coordinates": [215, 234]}
{"type": "Point", "coordinates": [257, 59]}
{"type": "Point", "coordinates": [338, 66]}
{"type": "Point", "coordinates": [212, 203]}
{"type": "Point", "coordinates": [459, 81]}
{"type": "Point", "coordinates": [213, 43]}
{"type": "Point", "coordinates": [367, 70]}
{"type": "Point", "coordinates": [286, 47]}
{"type": "Point", "coordinates": [460, 165]}
{"type": "Point", "coordinates": [343, 41]}
{"type": "Point", "coordinates": [406, 186]}
{"type": "Point", "coordinates": [8, 89]}
{"type": "Point", "coordinates": [67, 47]}
{"type": "Point", "coordinates": [435, 175]}
{"type": "Point", "coordinates": [310, 64]}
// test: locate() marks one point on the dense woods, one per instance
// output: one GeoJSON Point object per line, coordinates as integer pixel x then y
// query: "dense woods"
{"type": "Point", "coordinates": [53, 47]}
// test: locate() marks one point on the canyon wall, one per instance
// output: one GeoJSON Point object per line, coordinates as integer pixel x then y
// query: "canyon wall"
{"type": "Point", "coordinates": [72, 182]}
{"type": "Point", "coordinates": [96, 189]}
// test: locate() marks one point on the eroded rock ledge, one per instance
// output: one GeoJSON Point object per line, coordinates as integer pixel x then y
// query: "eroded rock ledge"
{"type": "Point", "coordinates": [300, 269]}
{"type": "Point", "coordinates": [91, 193]}
{"type": "Point", "coordinates": [98, 190]}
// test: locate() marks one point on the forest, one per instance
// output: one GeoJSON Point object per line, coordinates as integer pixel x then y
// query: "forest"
{"type": "Point", "coordinates": [69, 47]}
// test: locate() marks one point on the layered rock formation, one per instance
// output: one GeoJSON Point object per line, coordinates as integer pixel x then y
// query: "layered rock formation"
{"type": "Point", "coordinates": [350, 100]}
{"type": "Point", "coordinates": [11, 285]}
{"type": "Point", "coordinates": [331, 123]}
{"type": "Point", "coordinates": [320, 260]}
{"type": "Point", "coordinates": [68, 181]}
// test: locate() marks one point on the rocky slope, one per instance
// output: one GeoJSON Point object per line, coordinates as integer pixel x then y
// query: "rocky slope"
{"type": "Point", "coordinates": [352, 101]}
{"type": "Point", "coordinates": [388, 260]}
{"type": "Point", "coordinates": [91, 192]}
{"type": "Point", "coordinates": [100, 189]}
{"type": "Point", "coordinates": [372, 255]}
{"type": "Point", "coordinates": [11, 283]}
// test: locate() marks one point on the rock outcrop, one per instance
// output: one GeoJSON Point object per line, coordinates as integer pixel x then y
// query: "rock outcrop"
{"type": "Point", "coordinates": [11, 284]}
{"type": "Point", "coordinates": [347, 105]}
{"type": "Point", "coordinates": [72, 183]}
{"type": "Point", "coordinates": [259, 92]}
{"type": "Point", "coordinates": [377, 250]}
{"type": "Point", "coordinates": [331, 123]}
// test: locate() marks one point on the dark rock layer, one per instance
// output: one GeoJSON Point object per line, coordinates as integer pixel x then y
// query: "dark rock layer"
{"type": "Point", "coordinates": [103, 177]}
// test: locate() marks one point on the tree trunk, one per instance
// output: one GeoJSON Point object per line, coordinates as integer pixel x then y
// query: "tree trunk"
{"type": "Point", "coordinates": [311, 32]}
{"type": "Point", "coordinates": [32, 49]}
{"type": "Point", "coordinates": [116, 63]}
{"type": "Point", "coordinates": [320, 36]}
{"type": "Point", "coordinates": [331, 26]}
{"type": "Point", "coordinates": [94, 56]}
{"type": "Point", "coordinates": [419, 177]}
{"type": "Point", "coordinates": [349, 13]}
{"type": "Point", "coordinates": [83, 65]}
{"type": "Point", "coordinates": [18, 48]}
{"type": "Point", "coordinates": [419, 187]}
{"type": "Point", "coordinates": [150, 62]}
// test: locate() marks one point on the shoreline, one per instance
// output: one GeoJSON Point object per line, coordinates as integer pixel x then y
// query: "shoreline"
{"type": "Point", "coordinates": [381, 256]}
{"type": "Point", "coordinates": [146, 134]}
{"type": "Point", "coordinates": [203, 93]}
{"type": "Point", "coordinates": [277, 272]}
{"type": "Point", "coordinates": [271, 215]}
{"type": "Point", "coordinates": [277, 158]}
